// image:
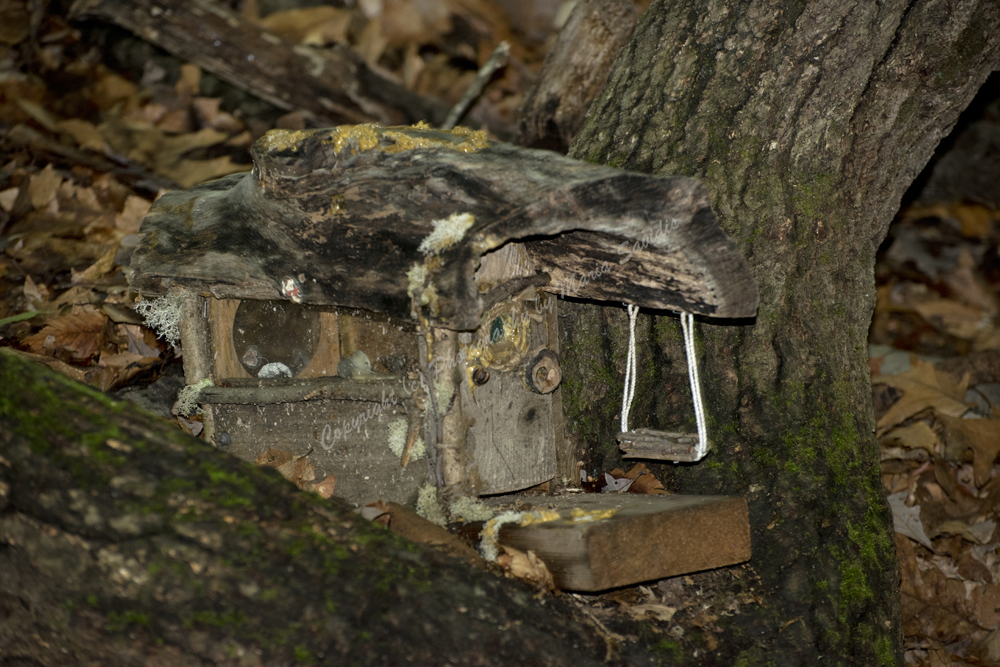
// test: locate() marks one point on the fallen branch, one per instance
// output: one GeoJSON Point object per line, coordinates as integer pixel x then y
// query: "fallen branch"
{"type": "Point", "coordinates": [333, 84]}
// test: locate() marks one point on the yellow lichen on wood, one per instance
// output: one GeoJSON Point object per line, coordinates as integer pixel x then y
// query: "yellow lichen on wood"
{"type": "Point", "coordinates": [358, 138]}
{"type": "Point", "coordinates": [580, 515]}
{"type": "Point", "coordinates": [281, 140]}
{"type": "Point", "coordinates": [468, 140]}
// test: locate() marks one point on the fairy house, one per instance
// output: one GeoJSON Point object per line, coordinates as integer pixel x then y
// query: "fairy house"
{"type": "Point", "coordinates": [383, 298]}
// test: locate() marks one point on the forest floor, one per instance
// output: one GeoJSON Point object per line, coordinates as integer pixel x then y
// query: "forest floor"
{"type": "Point", "coordinates": [93, 127]}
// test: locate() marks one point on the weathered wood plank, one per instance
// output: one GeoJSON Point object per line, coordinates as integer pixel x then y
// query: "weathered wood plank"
{"type": "Point", "coordinates": [344, 215]}
{"type": "Point", "coordinates": [249, 391]}
{"type": "Point", "coordinates": [511, 443]}
{"type": "Point", "coordinates": [346, 439]}
{"type": "Point", "coordinates": [646, 537]}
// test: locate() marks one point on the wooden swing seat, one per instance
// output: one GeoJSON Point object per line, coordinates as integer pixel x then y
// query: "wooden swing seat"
{"type": "Point", "coordinates": [647, 443]}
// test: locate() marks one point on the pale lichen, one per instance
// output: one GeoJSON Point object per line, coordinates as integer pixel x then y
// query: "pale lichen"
{"type": "Point", "coordinates": [428, 506]}
{"type": "Point", "coordinates": [447, 232]}
{"type": "Point", "coordinates": [162, 315]}
{"type": "Point", "coordinates": [187, 398]}
{"type": "Point", "coordinates": [397, 441]}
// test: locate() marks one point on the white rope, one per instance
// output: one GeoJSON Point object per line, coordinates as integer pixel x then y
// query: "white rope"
{"type": "Point", "coordinates": [687, 324]}
{"type": "Point", "coordinates": [629, 391]}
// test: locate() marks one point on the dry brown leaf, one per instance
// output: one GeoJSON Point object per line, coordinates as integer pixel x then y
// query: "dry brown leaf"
{"type": "Point", "coordinates": [982, 436]}
{"type": "Point", "coordinates": [324, 488]}
{"type": "Point", "coordinates": [371, 43]}
{"type": "Point", "coordinates": [954, 318]}
{"type": "Point", "coordinates": [169, 150]}
{"type": "Point", "coordinates": [8, 198]}
{"type": "Point", "coordinates": [192, 172]}
{"type": "Point", "coordinates": [273, 458]}
{"type": "Point", "coordinates": [404, 21]}
{"type": "Point", "coordinates": [43, 186]}
{"type": "Point", "coordinates": [298, 471]}
{"type": "Point", "coordinates": [100, 268]}
{"type": "Point", "coordinates": [658, 612]}
{"type": "Point", "coordinates": [189, 82]}
{"type": "Point", "coordinates": [117, 370]}
{"type": "Point", "coordinates": [310, 25]}
{"type": "Point", "coordinates": [76, 332]}
{"type": "Point", "coordinates": [923, 387]}
{"type": "Point", "coordinates": [15, 22]}
{"type": "Point", "coordinates": [113, 90]}
{"type": "Point", "coordinates": [968, 284]}
{"type": "Point", "coordinates": [525, 566]}
{"type": "Point", "coordinates": [131, 216]}
{"type": "Point", "coordinates": [176, 121]}
{"type": "Point", "coordinates": [915, 436]}
{"type": "Point", "coordinates": [210, 114]}
{"type": "Point", "coordinates": [644, 481]}
{"type": "Point", "coordinates": [411, 526]}
{"type": "Point", "coordinates": [85, 134]}
{"type": "Point", "coordinates": [36, 295]}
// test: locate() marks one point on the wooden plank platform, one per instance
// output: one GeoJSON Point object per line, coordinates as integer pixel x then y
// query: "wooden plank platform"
{"type": "Point", "coordinates": [646, 538]}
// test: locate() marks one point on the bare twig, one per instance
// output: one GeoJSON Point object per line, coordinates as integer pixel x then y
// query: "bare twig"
{"type": "Point", "coordinates": [499, 59]}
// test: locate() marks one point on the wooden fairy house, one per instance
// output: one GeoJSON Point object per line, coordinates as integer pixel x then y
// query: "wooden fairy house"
{"type": "Point", "coordinates": [367, 294]}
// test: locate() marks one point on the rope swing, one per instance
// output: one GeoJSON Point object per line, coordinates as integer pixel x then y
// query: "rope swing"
{"type": "Point", "coordinates": [687, 325]}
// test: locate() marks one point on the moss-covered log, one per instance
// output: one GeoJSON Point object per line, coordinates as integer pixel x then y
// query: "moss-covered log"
{"type": "Point", "coordinates": [808, 120]}
{"type": "Point", "coordinates": [125, 542]}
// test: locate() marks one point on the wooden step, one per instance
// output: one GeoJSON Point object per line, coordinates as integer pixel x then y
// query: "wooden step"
{"type": "Point", "coordinates": [641, 538]}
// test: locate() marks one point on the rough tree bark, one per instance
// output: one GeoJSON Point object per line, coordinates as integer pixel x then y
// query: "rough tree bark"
{"type": "Point", "coordinates": [125, 542]}
{"type": "Point", "coordinates": [808, 120]}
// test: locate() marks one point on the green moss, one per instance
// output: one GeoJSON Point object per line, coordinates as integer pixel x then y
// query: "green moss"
{"type": "Point", "coordinates": [666, 651]}
{"type": "Point", "coordinates": [303, 656]}
{"type": "Point", "coordinates": [884, 651]}
{"type": "Point", "coordinates": [118, 621]}
{"type": "Point", "coordinates": [813, 199]}
{"type": "Point", "coordinates": [226, 619]}
{"type": "Point", "coordinates": [175, 485]}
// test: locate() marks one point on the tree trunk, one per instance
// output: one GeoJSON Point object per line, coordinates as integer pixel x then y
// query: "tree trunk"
{"type": "Point", "coordinates": [125, 542]}
{"type": "Point", "coordinates": [808, 120]}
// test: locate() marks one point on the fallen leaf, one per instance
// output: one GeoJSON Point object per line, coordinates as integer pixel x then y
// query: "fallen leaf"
{"type": "Point", "coordinates": [658, 612]}
{"type": "Point", "coordinates": [273, 458]}
{"type": "Point", "coordinates": [85, 134]}
{"type": "Point", "coordinates": [100, 268]}
{"type": "Point", "coordinates": [324, 488]}
{"type": "Point", "coordinates": [131, 216]}
{"type": "Point", "coordinates": [923, 387]}
{"type": "Point", "coordinates": [906, 520]}
{"type": "Point", "coordinates": [978, 533]}
{"type": "Point", "coordinates": [644, 481]}
{"type": "Point", "coordinates": [958, 319]}
{"type": "Point", "coordinates": [77, 332]}
{"type": "Point", "coordinates": [43, 186]}
{"type": "Point", "coordinates": [525, 566]}
{"type": "Point", "coordinates": [615, 484]}
{"type": "Point", "coordinates": [982, 436]}
{"type": "Point", "coordinates": [915, 436]}
{"type": "Point", "coordinates": [411, 526]}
